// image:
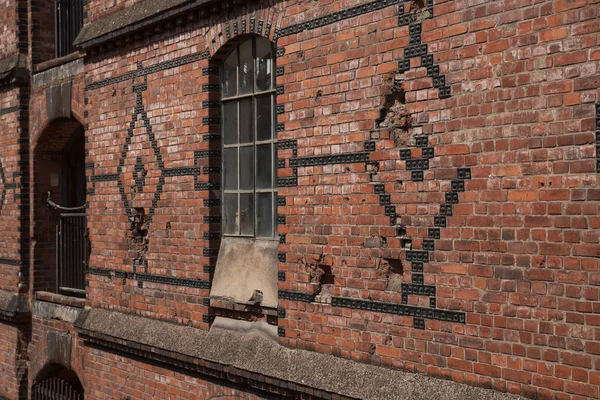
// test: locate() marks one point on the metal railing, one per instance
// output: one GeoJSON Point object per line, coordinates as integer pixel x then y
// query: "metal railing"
{"type": "Point", "coordinates": [69, 20]}
{"type": "Point", "coordinates": [71, 253]}
{"type": "Point", "coordinates": [55, 389]}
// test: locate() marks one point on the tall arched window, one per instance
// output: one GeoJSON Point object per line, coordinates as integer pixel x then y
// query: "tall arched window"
{"type": "Point", "coordinates": [249, 197]}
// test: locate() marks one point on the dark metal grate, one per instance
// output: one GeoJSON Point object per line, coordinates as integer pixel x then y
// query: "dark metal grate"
{"type": "Point", "coordinates": [69, 20]}
{"type": "Point", "coordinates": [55, 388]}
{"type": "Point", "coordinates": [71, 253]}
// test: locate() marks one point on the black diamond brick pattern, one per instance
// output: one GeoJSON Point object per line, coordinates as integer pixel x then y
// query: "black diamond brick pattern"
{"type": "Point", "coordinates": [418, 323]}
{"type": "Point", "coordinates": [140, 181]}
{"type": "Point", "coordinates": [296, 296]}
{"type": "Point", "coordinates": [345, 158]}
{"type": "Point", "coordinates": [399, 309]}
{"type": "Point", "coordinates": [145, 71]}
{"type": "Point", "coordinates": [335, 17]}
{"type": "Point", "coordinates": [168, 280]}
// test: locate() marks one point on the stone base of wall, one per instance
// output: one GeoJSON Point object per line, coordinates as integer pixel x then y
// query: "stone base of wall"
{"type": "Point", "coordinates": [190, 363]}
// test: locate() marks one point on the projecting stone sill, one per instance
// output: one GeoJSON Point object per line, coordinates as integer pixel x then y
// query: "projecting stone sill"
{"type": "Point", "coordinates": [13, 306]}
{"type": "Point", "coordinates": [255, 360]}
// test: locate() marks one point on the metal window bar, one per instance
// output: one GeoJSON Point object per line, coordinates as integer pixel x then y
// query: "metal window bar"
{"type": "Point", "coordinates": [68, 23]}
{"type": "Point", "coordinates": [55, 389]}
{"type": "Point", "coordinates": [71, 253]}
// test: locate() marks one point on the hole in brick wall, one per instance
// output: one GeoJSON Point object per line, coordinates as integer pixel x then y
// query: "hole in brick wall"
{"type": "Point", "coordinates": [395, 265]}
{"type": "Point", "coordinates": [393, 114]}
{"type": "Point", "coordinates": [390, 271]}
{"type": "Point", "coordinates": [137, 241]}
{"type": "Point", "coordinates": [372, 168]}
{"type": "Point", "coordinates": [327, 278]}
{"type": "Point", "coordinates": [375, 241]}
{"type": "Point", "coordinates": [168, 229]}
{"type": "Point", "coordinates": [321, 276]}
{"type": "Point", "coordinates": [406, 244]}
{"type": "Point", "coordinates": [318, 97]}
{"type": "Point", "coordinates": [139, 222]}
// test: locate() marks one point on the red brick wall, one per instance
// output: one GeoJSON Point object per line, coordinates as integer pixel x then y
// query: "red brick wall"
{"type": "Point", "coordinates": [10, 212]}
{"type": "Point", "coordinates": [8, 17]}
{"type": "Point", "coordinates": [519, 255]}
{"type": "Point", "coordinates": [113, 376]}
{"type": "Point", "coordinates": [175, 241]}
{"type": "Point", "coordinates": [9, 352]}
{"type": "Point", "coordinates": [40, 356]}
{"type": "Point", "coordinates": [42, 21]}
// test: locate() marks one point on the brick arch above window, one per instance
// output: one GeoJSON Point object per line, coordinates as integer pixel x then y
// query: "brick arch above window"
{"type": "Point", "coordinates": [235, 25]}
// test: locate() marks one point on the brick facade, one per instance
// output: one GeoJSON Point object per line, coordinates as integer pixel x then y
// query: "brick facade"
{"type": "Point", "coordinates": [8, 21]}
{"type": "Point", "coordinates": [438, 205]}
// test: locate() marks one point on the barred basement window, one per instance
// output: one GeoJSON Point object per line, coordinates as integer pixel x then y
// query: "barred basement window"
{"type": "Point", "coordinates": [249, 142]}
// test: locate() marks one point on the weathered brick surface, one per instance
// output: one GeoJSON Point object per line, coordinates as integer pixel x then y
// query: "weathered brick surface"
{"type": "Point", "coordinates": [40, 355]}
{"type": "Point", "coordinates": [10, 211]}
{"type": "Point", "coordinates": [11, 347]}
{"type": "Point", "coordinates": [8, 18]}
{"type": "Point", "coordinates": [520, 252]}
{"type": "Point", "coordinates": [475, 191]}
{"type": "Point", "coordinates": [43, 30]}
{"type": "Point", "coordinates": [113, 376]}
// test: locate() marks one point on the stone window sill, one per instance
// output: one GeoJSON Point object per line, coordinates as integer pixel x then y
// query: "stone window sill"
{"type": "Point", "coordinates": [46, 65]}
{"type": "Point", "coordinates": [60, 299]}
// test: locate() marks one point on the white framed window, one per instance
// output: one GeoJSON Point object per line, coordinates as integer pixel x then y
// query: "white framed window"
{"type": "Point", "coordinates": [249, 148]}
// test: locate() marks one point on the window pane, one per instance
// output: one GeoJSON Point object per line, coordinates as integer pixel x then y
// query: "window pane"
{"type": "Point", "coordinates": [229, 85]}
{"type": "Point", "coordinates": [230, 169]}
{"type": "Point", "coordinates": [247, 214]}
{"type": "Point", "coordinates": [263, 118]}
{"type": "Point", "coordinates": [246, 168]}
{"type": "Point", "coordinates": [263, 166]}
{"type": "Point", "coordinates": [230, 214]}
{"type": "Point", "coordinates": [246, 70]}
{"type": "Point", "coordinates": [230, 124]}
{"type": "Point", "coordinates": [246, 121]}
{"type": "Point", "coordinates": [264, 219]}
{"type": "Point", "coordinates": [264, 64]}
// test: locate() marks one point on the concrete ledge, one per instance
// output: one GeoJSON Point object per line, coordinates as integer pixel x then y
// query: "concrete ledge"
{"type": "Point", "coordinates": [250, 356]}
{"type": "Point", "coordinates": [59, 72]}
{"type": "Point", "coordinates": [55, 306]}
{"type": "Point", "coordinates": [41, 309]}
{"type": "Point", "coordinates": [13, 305]}
{"type": "Point", "coordinates": [15, 65]}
